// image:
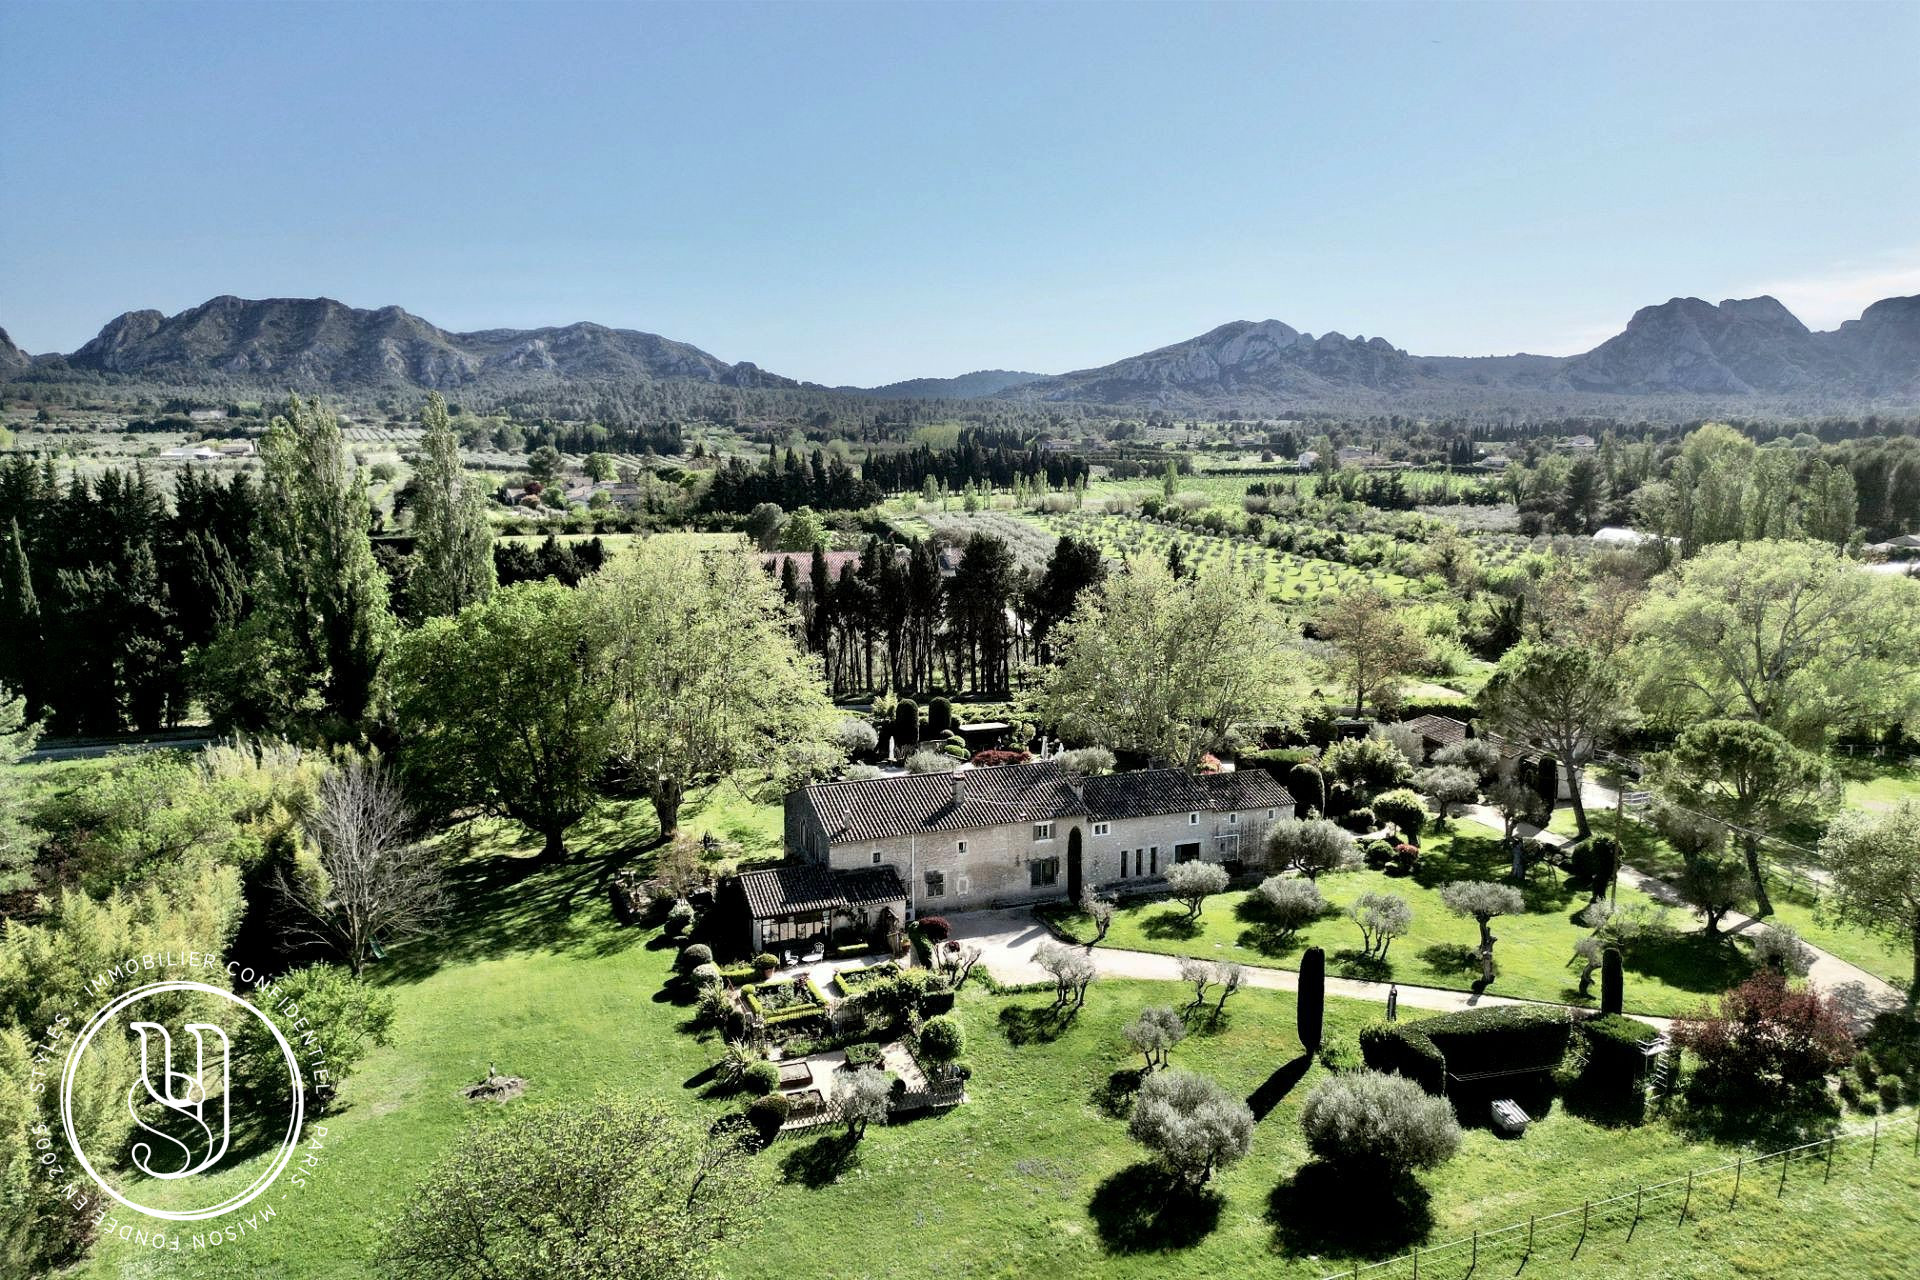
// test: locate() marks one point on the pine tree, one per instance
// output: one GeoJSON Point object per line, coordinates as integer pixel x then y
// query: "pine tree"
{"type": "Point", "coordinates": [20, 629]}
{"type": "Point", "coordinates": [453, 545]}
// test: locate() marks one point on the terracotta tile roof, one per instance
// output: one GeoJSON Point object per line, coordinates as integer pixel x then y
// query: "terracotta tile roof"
{"type": "Point", "coordinates": [1148, 793]}
{"type": "Point", "coordinates": [1444, 730]}
{"type": "Point", "coordinates": [995, 795]}
{"type": "Point", "coordinates": [795, 887]}
{"type": "Point", "coordinates": [879, 808]}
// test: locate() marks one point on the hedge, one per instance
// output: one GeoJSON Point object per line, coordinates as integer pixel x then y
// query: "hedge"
{"type": "Point", "coordinates": [1493, 1038]}
{"type": "Point", "coordinates": [1616, 1048]}
{"type": "Point", "coordinates": [793, 1013]}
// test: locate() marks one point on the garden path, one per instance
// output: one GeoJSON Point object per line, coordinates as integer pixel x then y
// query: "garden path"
{"type": "Point", "coordinates": [1007, 940]}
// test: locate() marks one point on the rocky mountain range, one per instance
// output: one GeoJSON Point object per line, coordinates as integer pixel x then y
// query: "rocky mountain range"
{"type": "Point", "coordinates": [317, 342]}
{"type": "Point", "coordinates": [1743, 352]}
{"type": "Point", "coordinates": [1741, 348]}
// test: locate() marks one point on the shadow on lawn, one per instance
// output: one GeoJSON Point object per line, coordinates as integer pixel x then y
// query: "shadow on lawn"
{"type": "Point", "coordinates": [1690, 961]}
{"type": "Point", "coordinates": [513, 902]}
{"type": "Point", "coordinates": [1319, 1211]}
{"type": "Point", "coordinates": [1263, 935]}
{"type": "Point", "coordinates": [1358, 964]}
{"type": "Point", "coordinates": [1172, 923]}
{"type": "Point", "coordinates": [1142, 1210]}
{"type": "Point", "coordinates": [1486, 858]}
{"type": "Point", "coordinates": [1026, 1024]}
{"type": "Point", "coordinates": [1277, 1086]}
{"type": "Point", "coordinates": [1114, 1095]}
{"type": "Point", "coordinates": [821, 1162]}
{"type": "Point", "coordinates": [1453, 958]}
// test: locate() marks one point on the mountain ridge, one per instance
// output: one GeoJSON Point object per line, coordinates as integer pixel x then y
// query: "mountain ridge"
{"type": "Point", "coordinates": [1738, 350]}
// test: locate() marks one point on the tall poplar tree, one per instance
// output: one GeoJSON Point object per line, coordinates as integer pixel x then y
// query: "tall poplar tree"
{"type": "Point", "coordinates": [453, 545]}
{"type": "Point", "coordinates": [305, 660]}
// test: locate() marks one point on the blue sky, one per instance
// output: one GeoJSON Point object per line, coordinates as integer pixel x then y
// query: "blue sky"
{"type": "Point", "coordinates": [859, 193]}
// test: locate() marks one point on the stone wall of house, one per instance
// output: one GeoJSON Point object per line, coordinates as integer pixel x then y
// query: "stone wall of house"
{"type": "Point", "coordinates": [996, 869]}
{"type": "Point", "coordinates": [1222, 837]}
{"type": "Point", "coordinates": [805, 838]}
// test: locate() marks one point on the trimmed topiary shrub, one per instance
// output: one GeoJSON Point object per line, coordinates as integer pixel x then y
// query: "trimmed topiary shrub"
{"type": "Point", "coordinates": [906, 724]}
{"type": "Point", "coordinates": [768, 1114]}
{"type": "Point", "coordinates": [761, 1078]}
{"type": "Point", "coordinates": [1308, 787]}
{"type": "Point", "coordinates": [1615, 1052]}
{"type": "Point", "coordinates": [693, 956]}
{"type": "Point", "coordinates": [942, 1039]}
{"type": "Point", "coordinates": [1612, 982]}
{"type": "Point", "coordinates": [1405, 858]}
{"type": "Point", "coordinates": [1546, 779]}
{"type": "Point", "coordinates": [1379, 854]}
{"type": "Point", "coordinates": [939, 718]}
{"type": "Point", "coordinates": [679, 918]}
{"type": "Point", "coordinates": [707, 975]}
{"type": "Point", "coordinates": [1403, 808]}
{"type": "Point", "coordinates": [1310, 1008]}
{"type": "Point", "coordinates": [766, 962]}
{"type": "Point", "coordinates": [1493, 1038]}
{"type": "Point", "coordinates": [1359, 821]}
{"type": "Point", "coordinates": [1339, 800]}
{"type": "Point", "coordinates": [936, 928]}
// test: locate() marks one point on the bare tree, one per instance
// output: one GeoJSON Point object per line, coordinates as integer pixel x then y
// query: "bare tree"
{"type": "Point", "coordinates": [373, 880]}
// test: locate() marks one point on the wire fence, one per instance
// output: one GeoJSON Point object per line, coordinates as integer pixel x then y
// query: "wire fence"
{"type": "Point", "coordinates": [1546, 1238]}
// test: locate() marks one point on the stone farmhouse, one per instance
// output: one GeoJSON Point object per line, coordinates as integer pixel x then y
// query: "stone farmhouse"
{"type": "Point", "coordinates": [999, 835]}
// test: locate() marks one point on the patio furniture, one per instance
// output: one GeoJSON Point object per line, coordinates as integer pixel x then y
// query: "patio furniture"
{"type": "Point", "coordinates": [815, 954]}
{"type": "Point", "coordinates": [1508, 1118]}
{"type": "Point", "coordinates": [786, 960]}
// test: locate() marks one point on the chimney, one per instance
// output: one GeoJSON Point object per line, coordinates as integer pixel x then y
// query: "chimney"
{"type": "Point", "coordinates": [959, 787]}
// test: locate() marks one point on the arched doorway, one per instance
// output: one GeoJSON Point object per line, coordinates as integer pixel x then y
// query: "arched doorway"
{"type": "Point", "coordinates": [1073, 865]}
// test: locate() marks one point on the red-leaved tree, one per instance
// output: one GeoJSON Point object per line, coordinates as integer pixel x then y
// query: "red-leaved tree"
{"type": "Point", "coordinates": [1768, 1042]}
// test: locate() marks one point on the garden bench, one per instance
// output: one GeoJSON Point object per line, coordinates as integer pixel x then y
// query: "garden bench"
{"type": "Point", "coordinates": [1508, 1117]}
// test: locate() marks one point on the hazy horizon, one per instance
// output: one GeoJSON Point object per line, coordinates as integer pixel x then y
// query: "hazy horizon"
{"type": "Point", "coordinates": [864, 194]}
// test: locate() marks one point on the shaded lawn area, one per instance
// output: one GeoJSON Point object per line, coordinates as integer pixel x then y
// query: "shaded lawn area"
{"type": "Point", "coordinates": [1035, 1175]}
{"type": "Point", "coordinates": [1647, 850]}
{"type": "Point", "coordinates": [1875, 783]}
{"type": "Point", "coordinates": [1531, 950]}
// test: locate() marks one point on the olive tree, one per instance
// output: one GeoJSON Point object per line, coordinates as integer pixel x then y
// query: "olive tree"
{"type": "Point", "coordinates": [1194, 882]}
{"type": "Point", "coordinates": [1311, 846]}
{"type": "Point", "coordinates": [1482, 900]}
{"type": "Point", "coordinates": [863, 1097]}
{"type": "Point", "coordinates": [1154, 1033]}
{"type": "Point", "coordinates": [1290, 903]}
{"type": "Point", "coordinates": [1191, 1124]}
{"type": "Point", "coordinates": [1373, 1125]}
{"type": "Point", "coordinates": [1382, 917]}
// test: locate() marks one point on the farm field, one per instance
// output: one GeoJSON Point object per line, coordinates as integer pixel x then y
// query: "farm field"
{"type": "Point", "coordinates": [1666, 978]}
{"type": "Point", "coordinates": [1291, 578]}
{"type": "Point", "coordinates": [1034, 1175]}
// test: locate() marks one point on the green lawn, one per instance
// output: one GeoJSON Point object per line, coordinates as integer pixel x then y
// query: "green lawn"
{"type": "Point", "coordinates": [1876, 783]}
{"type": "Point", "coordinates": [1532, 950]}
{"type": "Point", "coordinates": [1793, 903]}
{"type": "Point", "coordinates": [1035, 1175]}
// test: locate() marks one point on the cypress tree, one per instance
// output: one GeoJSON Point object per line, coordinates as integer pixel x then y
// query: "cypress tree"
{"type": "Point", "coordinates": [1612, 981]}
{"type": "Point", "coordinates": [453, 544]}
{"type": "Point", "coordinates": [939, 718]}
{"type": "Point", "coordinates": [1311, 1007]}
{"type": "Point", "coordinates": [20, 633]}
{"type": "Point", "coordinates": [1308, 787]}
{"type": "Point", "coordinates": [906, 724]}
